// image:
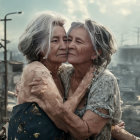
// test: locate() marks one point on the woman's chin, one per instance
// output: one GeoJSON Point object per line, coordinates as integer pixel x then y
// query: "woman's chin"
{"type": "Point", "coordinates": [63, 60]}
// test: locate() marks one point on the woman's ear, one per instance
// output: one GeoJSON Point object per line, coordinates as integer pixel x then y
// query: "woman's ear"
{"type": "Point", "coordinates": [100, 51]}
{"type": "Point", "coordinates": [93, 57]}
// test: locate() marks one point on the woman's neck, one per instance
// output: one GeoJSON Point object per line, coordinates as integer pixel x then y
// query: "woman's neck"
{"type": "Point", "coordinates": [52, 67]}
{"type": "Point", "coordinates": [81, 69]}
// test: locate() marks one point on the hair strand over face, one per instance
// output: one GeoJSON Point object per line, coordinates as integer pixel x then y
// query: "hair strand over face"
{"type": "Point", "coordinates": [37, 35]}
{"type": "Point", "coordinates": [102, 41]}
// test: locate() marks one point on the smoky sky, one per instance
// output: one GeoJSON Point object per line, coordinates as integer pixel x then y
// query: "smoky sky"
{"type": "Point", "coordinates": [121, 16]}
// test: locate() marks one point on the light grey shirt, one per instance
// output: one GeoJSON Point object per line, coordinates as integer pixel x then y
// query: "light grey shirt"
{"type": "Point", "coordinates": [103, 94]}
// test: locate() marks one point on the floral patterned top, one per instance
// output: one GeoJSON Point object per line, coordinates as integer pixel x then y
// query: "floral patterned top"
{"type": "Point", "coordinates": [103, 94]}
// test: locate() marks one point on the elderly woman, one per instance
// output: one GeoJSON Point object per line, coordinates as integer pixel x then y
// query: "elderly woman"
{"type": "Point", "coordinates": [44, 45]}
{"type": "Point", "coordinates": [89, 45]}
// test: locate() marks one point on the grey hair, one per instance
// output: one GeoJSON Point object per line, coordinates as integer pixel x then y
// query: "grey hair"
{"type": "Point", "coordinates": [37, 35]}
{"type": "Point", "coordinates": [102, 40]}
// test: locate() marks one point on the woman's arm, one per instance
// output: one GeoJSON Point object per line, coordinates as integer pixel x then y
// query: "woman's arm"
{"type": "Point", "coordinates": [47, 95]}
{"type": "Point", "coordinates": [42, 86]}
{"type": "Point", "coordinates": [121, 134]}
{"type": "Point", "coordinates": [91, 123]}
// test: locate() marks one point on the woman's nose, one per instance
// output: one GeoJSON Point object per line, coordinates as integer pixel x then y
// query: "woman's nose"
{"type": "Point", "coordinates": [63, 45]}
{"type": "Point", "coordinates": [71, 45]}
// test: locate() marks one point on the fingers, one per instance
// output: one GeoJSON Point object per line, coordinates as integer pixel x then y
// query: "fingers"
{"type": "Point", "coordinates": [38, 82]}
{"type": "Point", "coordinates": [38, 90]}
{"type": "Point", "coordinates": [18, 88]}
{"type": "Point", "coordinates": [35, 83]}
{"type": "Point", "coordinates": [35, 89]}
{"type": "Point", "coordinates": [16, 93]}
{"type": "Point", "coordinates": [38, 86]}
{"type": "Point", "coordinates": [121, 124]}
{"type": "Point", "coordinates": [37, 79]}
{"type": "Point", "coordinates": [91, 69]}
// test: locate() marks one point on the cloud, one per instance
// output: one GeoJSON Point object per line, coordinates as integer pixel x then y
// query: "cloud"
{"type": "Point", "coordinates": [115, 14]}
{"type": "Point", "coordinates": [78, 9]}
{"type": "Point", "coordinates": [125, 12]}
{"type": "Point", "coordinates": [122, 7]}
{"type": "Point", "coordinates": [91, 1]}
{"type": "Point", "coordinates": [65, 17]}
{"type": "Point", "coordinates": [102, 7]}
{"type": "Point", "coordinates": [71, 6]}
{"type": "Point", "coordinates": [120, 2]}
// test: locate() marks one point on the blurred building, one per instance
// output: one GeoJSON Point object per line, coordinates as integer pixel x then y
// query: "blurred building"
{"type": "Point", "coordinates": [14, 73]}
{"type": "Point", "coordinates": [127, 70]}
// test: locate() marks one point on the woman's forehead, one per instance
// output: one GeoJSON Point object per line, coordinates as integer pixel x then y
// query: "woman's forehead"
{"type": "Point", "coordinates": [58, 31]}
{"type": "Point", "coordinates": [79, 32]}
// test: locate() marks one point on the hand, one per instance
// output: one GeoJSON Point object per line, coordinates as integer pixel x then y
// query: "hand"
{"type": "Point", "coordinates": [44, 88]}
{"type": "Point", "coordinates": [18, 88]}
{"type": "Point", "coordinates": [38, 86]}
{"type": "Point", "coordinates": [86, 81]}
{"type": "Point", "coordinates": [118, 127]}
{"type": "Point", "coordinates": [73, 101]}
{"type": "Point", "coordinates": [121, 125]}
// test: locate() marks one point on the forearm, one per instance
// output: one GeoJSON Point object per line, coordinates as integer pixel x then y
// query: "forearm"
{"type": "Point", "coordinates": [65, 119]}
{"type": "Point", "coordinates": [76, 126]}
{"type": "Point", "coordinates": [122, 134]}
{"type": "Point", "coordinates": [90, 124]}
{"type": "Point", "coordinates": [73, 101]}
{"type": "Point", "coordinates": [55, 113]}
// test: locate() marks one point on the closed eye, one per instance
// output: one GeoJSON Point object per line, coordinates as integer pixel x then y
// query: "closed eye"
{"type": "Point", "coordinates": [65, 40]}
{"type": "Point", "coordinates": [69, 40]}
{"type": "Point", "coordinates": [54, 40]}
{"type": "Point", "coordinates": [79, 41]}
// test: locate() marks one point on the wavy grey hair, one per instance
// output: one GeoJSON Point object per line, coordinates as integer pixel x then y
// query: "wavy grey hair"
{"type": "Point", "coordinates": [102, 41]}
{"type": "Point", "coordinates": [37, 35]}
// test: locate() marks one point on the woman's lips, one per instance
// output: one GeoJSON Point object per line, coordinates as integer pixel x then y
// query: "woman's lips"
{"type": "Point", "coordinates": [63, 54]}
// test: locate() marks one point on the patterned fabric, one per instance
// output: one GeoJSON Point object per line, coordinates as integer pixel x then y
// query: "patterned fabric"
{"type": "Point", "coordinates": [29, 122]}
{"type": "Point", "coordinates": [103, 94]}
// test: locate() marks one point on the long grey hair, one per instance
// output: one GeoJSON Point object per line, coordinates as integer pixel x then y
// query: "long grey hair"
{"type": "Point", "coordinates": [102, 41]}
{"type": "Point", "coordinates": [37, 35]}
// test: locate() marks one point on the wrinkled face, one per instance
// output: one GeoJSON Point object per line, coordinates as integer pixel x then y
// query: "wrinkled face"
{"type": "Point", "coordinates": [80, 49]}
{"type": "Point", "coordinates": [58, 45]}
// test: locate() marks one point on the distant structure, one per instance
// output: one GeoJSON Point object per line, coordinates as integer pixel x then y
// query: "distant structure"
{"type": "Point", "coordinates": [14, 73]}
{"type": "Point", "coordinates": [127, 70]}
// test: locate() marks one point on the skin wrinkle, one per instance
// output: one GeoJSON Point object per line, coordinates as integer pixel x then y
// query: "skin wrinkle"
{"type": "Point", "coordinates": [78, 45]}
{"type": "Point", "coordinates": [58, 46]}
{"type": "Point", "coordinates": [72, 121]}
{"type": "Point", "coordinates": [81, 55]}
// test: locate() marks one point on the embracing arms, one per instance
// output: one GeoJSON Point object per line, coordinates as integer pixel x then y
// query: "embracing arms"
{"type": "Point", "coordinates": [49, 99]}
{"type": "Point", "coordinates": [81, 128]}
{"type": "Point", "coordinates": [47, 96]}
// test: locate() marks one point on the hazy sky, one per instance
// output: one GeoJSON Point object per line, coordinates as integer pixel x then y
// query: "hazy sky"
{"type": "Point", "coordinates": [121, 16]}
